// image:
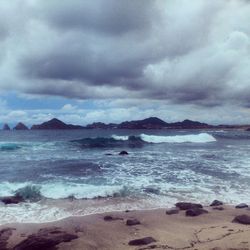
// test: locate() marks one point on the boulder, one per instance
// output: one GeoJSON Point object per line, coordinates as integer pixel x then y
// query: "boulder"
{"type": "Point", "coordinates": [196, 212]}
{"type": "Point", "coordinates": [216, 203]}
{"type": "Point", "coordinates": [46, 238]}
{"type": "Point", "coordinates": [187, 205]}
{"type": "Point", "coordinates": [142, 241]}
{"type": "Point", "coordinates": [242, 219]}
{"type": "Point", "coordinates": [241, 205]}
{"type": "Point", "coordinates": [132, 222]}
{"type": "Point", "coordinates": [123, 152]}
{"type": "Point", "coordinates": [172, 211]}
{"type": "Point", "coordinates": [110, 218]}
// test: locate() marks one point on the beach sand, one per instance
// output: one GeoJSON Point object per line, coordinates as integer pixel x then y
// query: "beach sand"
{"type": "Point", "coordinates": [213, 230]}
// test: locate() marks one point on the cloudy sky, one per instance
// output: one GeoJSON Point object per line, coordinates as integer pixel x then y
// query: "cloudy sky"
{"type": "Point", "coordinates": [113, 60]}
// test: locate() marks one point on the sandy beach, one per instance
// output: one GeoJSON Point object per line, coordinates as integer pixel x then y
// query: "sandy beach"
{"type": "Point", "coordinates": [213, 230]}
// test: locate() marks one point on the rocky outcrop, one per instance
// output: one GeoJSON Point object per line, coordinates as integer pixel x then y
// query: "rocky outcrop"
{"type": "Point", "coordinates": [46, 238]}
{"type": "Point", "coordinates": [55, 124]}
{"type": "Point", "coordinates": [20, 126]}
{"type": "Point", "coordinates": [123, 153]}
{"type": "Point", "coordinates": [6, 127]}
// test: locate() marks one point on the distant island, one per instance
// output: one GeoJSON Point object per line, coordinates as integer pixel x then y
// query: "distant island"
{"type": "Point", "coordinates": [148, 123]}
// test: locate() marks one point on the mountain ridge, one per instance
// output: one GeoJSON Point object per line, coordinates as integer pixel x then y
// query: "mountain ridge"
{"type": "Point", "coordinates": [147, 123]}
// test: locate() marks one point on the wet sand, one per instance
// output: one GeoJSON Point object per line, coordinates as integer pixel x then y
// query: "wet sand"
{"type": "Point", "coordinates": [213, 230]}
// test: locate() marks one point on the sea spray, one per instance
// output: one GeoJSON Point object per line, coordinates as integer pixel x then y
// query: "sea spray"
{"type": "Point", "coordinates": [29, 193]}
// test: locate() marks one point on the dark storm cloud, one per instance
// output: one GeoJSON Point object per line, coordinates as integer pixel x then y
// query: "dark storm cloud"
{"type": "Point", "coordinates": [111, 17]}
{"type": "Point", "coordinates": [194, 52]}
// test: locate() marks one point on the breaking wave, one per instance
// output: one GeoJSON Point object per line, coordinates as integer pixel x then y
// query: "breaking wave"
{"type": "Point", "coordinates": [193, 138]}
{"type": "Point", "coordinates": [138, 141]}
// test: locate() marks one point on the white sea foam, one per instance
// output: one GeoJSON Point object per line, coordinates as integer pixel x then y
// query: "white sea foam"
{"type": "Point", "coordinates": [64, 190]}
{"type": "Point", "coordinates": [195, 138]}
{"type": "Point", "coordinates": [120, 137]}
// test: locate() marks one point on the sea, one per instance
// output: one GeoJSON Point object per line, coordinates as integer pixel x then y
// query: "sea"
{"type": "Point", "coordinates": [64, 173]}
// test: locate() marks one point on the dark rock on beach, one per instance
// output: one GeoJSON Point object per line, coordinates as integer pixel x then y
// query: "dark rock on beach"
{"type": "Point", "coordinates": [173, 210]}
{"type": "Point", "coordinates": [123, 153]}
{"type": "Point", "coordinates": [196, 212]}
{"type": "Point", "coordinates": [241, 205]}
{"type": "Point", "coordinates": [4, 237]}
{"type": "Point", "coordinates": [218, 208]}
{"type": "Point", "coordinates": [46, 238]}
{"type": "Point", "coordinates": [111, 218]}
{"type": "Point", "coordinates": [11, 199]}
{"type": "Point", "coordinates": [142, 241]}
{"type": "Point", "coordinates": [242, 219]}
{"type": "Point", "coordinates": [187, 205]}
{"type": "Point", "coordinates": [132, 222]}
{"type": "Point", "coordinates": [216, 203]}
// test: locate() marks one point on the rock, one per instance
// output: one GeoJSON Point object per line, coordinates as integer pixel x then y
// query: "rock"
{"type": "Point", "coordinates": [5, 234]}
{"type": "Point", "coordinates": [11, 199]}
{"type": "Point", "coordinates": [55, 124]}
{"type": "Point", "coordinates": [123, 153]}
{"type": "Point", "coordinates": [172, 211]}
{"type": "Point", "coordinates": [216, 203]}
{"type": "Point", "coordinates": [142, 241]}
{"type": "Point", "coordinates": [110, 218]}
{"type": "Point", "coordinates": [6, 127]}
{"type": "Point", "coordinates": [242, 219]}
{"type": "Point", "coordinates": [20, 126]}
{"type": "Point", "coordinates": [241, 205]}
{"type": "Point", "coordinates": [187, 205]}
{"type": "Point", "coordinates": [133, 222]}
{"type": "Point", "coordinates": [151, 190]}
{"type": "Point", "coordinates": [46, 238]}
{"type": "Point", "coordinates": [108, 154]}
{"type": "Point", "coordinates": [196, 212]}
{"type": "Point", "coordinates": [218, 208]}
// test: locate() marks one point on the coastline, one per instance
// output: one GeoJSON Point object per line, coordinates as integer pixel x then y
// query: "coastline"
{"type": "Point", "coordinates": [213, 230]}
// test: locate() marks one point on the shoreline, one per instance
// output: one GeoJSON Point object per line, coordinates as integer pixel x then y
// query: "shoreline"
{"type": "Point", "coordinates": [213, 230]}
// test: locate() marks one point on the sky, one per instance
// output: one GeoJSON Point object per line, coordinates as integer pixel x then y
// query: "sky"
{"type": "Point", "coordinates": [113, 60]}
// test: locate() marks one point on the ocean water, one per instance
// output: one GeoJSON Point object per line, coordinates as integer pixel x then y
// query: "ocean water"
{"type": "Point", "coordinates": [79, 172]}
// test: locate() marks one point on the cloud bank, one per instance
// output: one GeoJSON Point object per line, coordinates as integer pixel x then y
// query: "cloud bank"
{"type": "Point", "coordinates": [175, 52]}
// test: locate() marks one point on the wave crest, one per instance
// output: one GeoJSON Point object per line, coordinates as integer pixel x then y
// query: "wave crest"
{"type": "Point", "coordinates": [193, 138]}
{"type": "Point", "coordinates": [138, 141]}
